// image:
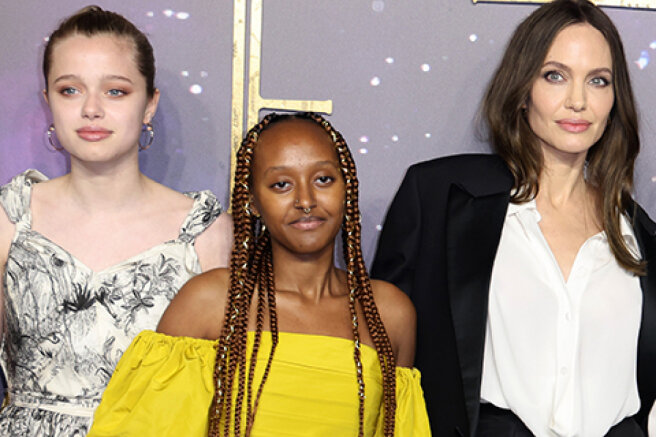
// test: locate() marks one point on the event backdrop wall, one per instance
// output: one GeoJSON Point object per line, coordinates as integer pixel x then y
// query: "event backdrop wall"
{"type": "Point", "coordinates": [404, 77]}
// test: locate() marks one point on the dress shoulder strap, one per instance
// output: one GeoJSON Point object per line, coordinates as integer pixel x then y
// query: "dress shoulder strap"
{"type": "Point", "coordinates": [15, 196]}
{"type": "Point", "coordinates": [204, 211]}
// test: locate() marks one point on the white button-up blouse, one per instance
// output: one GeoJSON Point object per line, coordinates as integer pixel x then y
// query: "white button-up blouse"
{"type": "Point", "coordinates": [561, 354]}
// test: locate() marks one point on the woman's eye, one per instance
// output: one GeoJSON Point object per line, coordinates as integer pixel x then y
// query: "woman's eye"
{"type": "Point", "coordinates": [553, 76]}
{"type": "Point", "coordinates": [116, 93]}
{"type": "Point", "coordinates": [325, 180]}
{"type": "Point", "coordinates": [68, 91]}
{"type": "Point", "coordinates": [280, 185]}
{"type": "Point", "coordinates": [600, 81]}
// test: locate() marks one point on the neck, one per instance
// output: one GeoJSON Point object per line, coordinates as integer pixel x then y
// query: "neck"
{"type": "Point", "coordinates": [564, 191]}
{"type": "Point", "coordinates": [99, 187]}
{"type": "Point", "coordinates": [311, 275]}
{"type": "Point", "coordinates": [563, 180]}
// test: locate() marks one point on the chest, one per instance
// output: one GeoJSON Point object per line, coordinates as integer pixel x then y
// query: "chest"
{"type": "Point", "coordinates": [329, 317]}
{"type": "Point", "coordinates": [103, 240]}
{"type": "Point", "coordinates": [527, 279]}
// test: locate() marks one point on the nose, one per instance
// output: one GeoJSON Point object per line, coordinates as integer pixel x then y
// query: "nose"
{"type": "Point", "coordinates": [576, 97]}
{"type": "Point", "coordinates": [305, 198]}
{"type": "Point", "coordinates": [92, 107]}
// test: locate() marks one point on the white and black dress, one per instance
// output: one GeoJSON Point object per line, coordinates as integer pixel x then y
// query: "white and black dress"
{"type": "Point", "coordinates": [66, 326]}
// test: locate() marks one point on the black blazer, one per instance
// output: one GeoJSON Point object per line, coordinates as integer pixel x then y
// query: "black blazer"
{"type": "Point", "coordinates": [438, 244]}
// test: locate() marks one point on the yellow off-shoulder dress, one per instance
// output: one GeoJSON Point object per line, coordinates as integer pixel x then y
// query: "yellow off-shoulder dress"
{"type": "Point", "coordinates": [163, 386]}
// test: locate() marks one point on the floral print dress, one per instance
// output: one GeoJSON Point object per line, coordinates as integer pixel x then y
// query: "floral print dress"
{"type": "Point", "coordinates": [66, 326]}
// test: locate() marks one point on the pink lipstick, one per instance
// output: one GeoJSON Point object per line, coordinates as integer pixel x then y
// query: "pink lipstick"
{"type": "Point", "coordinates": [574, 125]}
{"type": "Point", "coordinates": [93, 133]}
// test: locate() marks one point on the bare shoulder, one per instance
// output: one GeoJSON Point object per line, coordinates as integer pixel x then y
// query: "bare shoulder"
{"type": "Point", "coordinates": [399, 317]}
{"type": "Point", "coordinates": [172, 199]}
{"type": "Point", "coordinates": [394, 305]}
{"type": "Point", "coordinates": [214, 245]}
{"type": "Point", "coordinates": [167, 207]}
{"type": "Point", "coordinates": [7, 230]}
{"type": "Point", "coordinates": [198, 309]}
{"type": "Point", "coordinates": [47, 194]}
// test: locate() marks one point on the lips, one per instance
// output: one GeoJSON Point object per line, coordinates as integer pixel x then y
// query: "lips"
{"type": "Point", "coordinates": [574, 125]}
{"type": "Point", "coordinates": [307, 223]}
{"type": "Point", "coordinates": [93, 134]}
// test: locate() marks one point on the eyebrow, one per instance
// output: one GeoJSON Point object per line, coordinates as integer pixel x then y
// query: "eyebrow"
{"type": "Point", "coordinates": [566, 68]}
{"type": "Point", "coordinates": [106, 77]}
{"type": "Point", "coordinates": [318, 163]}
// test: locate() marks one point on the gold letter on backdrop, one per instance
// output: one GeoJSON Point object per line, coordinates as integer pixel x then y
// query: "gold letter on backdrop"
{"type": "Point", "coordinates": [636, 4]}
{"type": "Point", "coordinates": [255, 101]}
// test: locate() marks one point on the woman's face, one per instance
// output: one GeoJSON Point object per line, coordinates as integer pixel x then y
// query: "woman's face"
{"type": "Point", "coordinates": [98, 97]}
{"type": "Point", "coordinates": [570, 101]}
{"type": "Point", "coordinates": [298, 186]}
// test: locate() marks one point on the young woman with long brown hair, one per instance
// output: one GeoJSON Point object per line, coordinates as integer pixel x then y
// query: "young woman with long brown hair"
{"type": "Point", "coordinates": [534, 264]}
{"type": "Point", "coordinates": [303, 348]}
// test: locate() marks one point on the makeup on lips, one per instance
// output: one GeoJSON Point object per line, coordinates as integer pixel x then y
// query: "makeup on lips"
{"type": "Point", "coordinates": [574, 125]}
{"type": "Point", "coordinates": [307, 223]}
{"type": "Point", "coordinates": [93, 133]}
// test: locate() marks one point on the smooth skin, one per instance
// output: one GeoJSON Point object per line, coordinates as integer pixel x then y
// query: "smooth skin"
{"type": "Point", "coordinates": [568, 111]}
{"type": "Point", "coordinates": [105, 210]}
{"type": "Point", "coordinates": [295, 168]}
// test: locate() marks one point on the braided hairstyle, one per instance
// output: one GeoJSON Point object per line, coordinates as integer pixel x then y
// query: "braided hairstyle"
{"type": "Point", "coordinates": [251, 271]}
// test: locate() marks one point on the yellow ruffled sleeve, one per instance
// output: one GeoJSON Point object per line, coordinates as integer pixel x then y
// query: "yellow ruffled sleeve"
{"type": "Point", "coordinates": [162, 386]}
{"type": "Point", "coordinates": [411, 415]}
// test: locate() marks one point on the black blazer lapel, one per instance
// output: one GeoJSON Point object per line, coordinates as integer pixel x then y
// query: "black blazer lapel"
{"type": "Point", "coordinates": [473, 230]}
{"type": "Point", "coordinates": [645, 232]}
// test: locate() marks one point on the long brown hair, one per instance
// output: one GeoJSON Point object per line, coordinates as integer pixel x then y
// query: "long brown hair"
{"type": "Point", "coordinates": [610, 161]}
{"type": "Point", "coordinates": [91, 21]}
{"type": "Point", "coordinates": [251, 271]}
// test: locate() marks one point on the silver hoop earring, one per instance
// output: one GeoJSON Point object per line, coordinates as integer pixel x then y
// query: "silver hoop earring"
{"type": "Point", "coordinates": [150, 135]}
{"type": "Point", "coordinates": [51, 134]}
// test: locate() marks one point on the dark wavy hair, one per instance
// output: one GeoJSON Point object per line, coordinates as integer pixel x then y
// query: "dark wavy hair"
{"type": "Point", "coordinates": [609, 161]}
{"type": "Point", "coordinates": [92, 20]}
{"type": "Point", "coordinates": [251, 272]}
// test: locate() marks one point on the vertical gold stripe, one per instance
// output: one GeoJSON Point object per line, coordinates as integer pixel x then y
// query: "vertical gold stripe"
{"type": "Point", "coordinates": [255, 102]}
{"type": "Point", "coordinates": [254, 63]}
{"type": "Point", "coordinates": [238, 65]}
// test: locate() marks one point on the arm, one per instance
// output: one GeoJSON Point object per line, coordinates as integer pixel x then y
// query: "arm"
{"type": "Point", "coordinates": [400, 320]}
{"type": "Point", "coordinates": [395, 259]}
{"type": "Point", "coordinates": [162, 387]}
{"type": "Point", "coordinates": [399, 317]}
{"type": "Point", "coordinates": [197, 310]}
{"type": "Point", "coordinates": [7, 230]}
{"type": "Point", "coordinates": [214, 246]}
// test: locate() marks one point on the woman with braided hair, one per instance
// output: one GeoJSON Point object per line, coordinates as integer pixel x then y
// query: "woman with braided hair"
{"type": "Point", "coordinates": [304, 348]}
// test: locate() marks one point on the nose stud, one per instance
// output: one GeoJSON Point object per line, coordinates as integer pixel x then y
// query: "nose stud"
{"type": "Point", "coordinates": [297, 204]}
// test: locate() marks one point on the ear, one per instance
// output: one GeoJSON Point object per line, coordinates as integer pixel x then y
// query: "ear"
{"type": "Point", "coordinates": [44, 92]}
{"type": "Point", "coordinates": [524, 108]}
{"type": "Point", "coordinates": [151, 107]}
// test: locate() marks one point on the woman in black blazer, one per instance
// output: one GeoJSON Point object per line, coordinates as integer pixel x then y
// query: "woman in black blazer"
{"type": "Point", "coordinates": [531, 269]}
